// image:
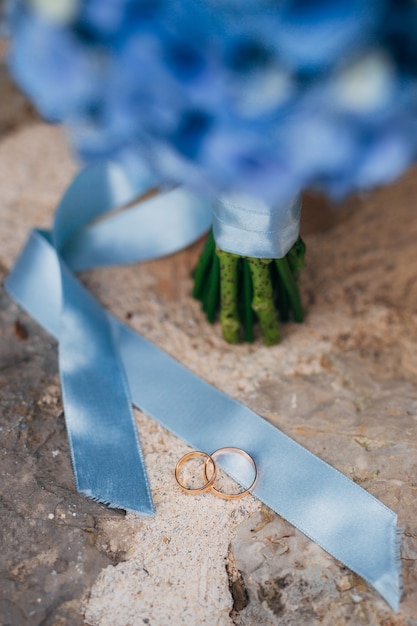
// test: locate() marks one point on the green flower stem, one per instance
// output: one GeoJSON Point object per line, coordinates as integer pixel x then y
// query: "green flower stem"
{"type": "Point", "coordinates": [211, 290]}
{"type": "Point", "coordinates": [296, 257]}
{"type": "Point", "coordinates": [263, 300]}
{"type": "Point", "coordinates": [229, 315]}
{"type": "Point", "coordinates": [282, 302]}
{"type": "Point", "coordinates": [203, 266]}
{"type": "Point", "coordinates": [247, 295]}
{"type": "Point", "coordinates": [246, 290]}
{"type": "Point", "coordinates": [291, 288]}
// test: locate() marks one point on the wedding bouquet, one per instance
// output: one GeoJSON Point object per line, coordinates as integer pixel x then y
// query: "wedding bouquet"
{"type": "Point", "coordinates": [247, 102]}
{"type": "Point", "coordinates": [250, 102]}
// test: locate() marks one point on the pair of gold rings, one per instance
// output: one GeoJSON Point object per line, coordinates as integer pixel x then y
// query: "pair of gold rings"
{"type": "Point", "coordinates": [210, 472]}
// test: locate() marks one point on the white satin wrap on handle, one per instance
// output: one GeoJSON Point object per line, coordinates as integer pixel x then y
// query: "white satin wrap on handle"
{"type": "Point", "coordinates": [248, 226]}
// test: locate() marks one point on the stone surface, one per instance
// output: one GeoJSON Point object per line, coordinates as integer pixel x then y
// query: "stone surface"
{"type": "Point", "coordinates": [342, 384]}
{"type": "Point", "coordinates": [51, 540]}
{"type": "Point", "coordinates": [15, 110]}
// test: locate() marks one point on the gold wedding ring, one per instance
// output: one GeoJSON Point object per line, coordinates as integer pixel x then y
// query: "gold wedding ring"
{"type": "Point", "coordinates": [211, 474]}
{"type": "Point", "coordinates": [231, 450]}
{"type": "Point", "coordinates": [209, 480]}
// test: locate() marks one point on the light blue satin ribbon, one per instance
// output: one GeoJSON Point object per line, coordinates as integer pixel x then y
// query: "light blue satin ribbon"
{"type": "Point", "coordinates": [105, 366]}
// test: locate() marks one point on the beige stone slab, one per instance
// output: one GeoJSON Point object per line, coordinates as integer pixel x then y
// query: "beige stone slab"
{"type": "Point", "coordinates": [343, 384]}
{"type": "Point", "coordinates": [176, 566]}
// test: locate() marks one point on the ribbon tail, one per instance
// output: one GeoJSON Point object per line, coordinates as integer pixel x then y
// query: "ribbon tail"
{"type": "Point", "coordinates": [390, 583]}
{"type": "Point", "coordinates": [107, 459]}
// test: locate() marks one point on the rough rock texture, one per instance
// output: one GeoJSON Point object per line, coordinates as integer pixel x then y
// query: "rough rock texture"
{"type": "Point", "coordinates": [51, 540]}
{"type": "Point", "coordinates": [15, 110]}
{"type": "Point", "coordinates": [342, 384]}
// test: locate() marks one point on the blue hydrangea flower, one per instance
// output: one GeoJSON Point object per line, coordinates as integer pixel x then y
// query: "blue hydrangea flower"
{"type": "Point", "coordinates": [264, 96]}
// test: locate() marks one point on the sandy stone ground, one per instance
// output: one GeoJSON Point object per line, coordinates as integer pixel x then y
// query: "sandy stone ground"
{"type": "Point", "coordinates": [343, 384]}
